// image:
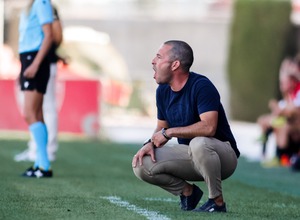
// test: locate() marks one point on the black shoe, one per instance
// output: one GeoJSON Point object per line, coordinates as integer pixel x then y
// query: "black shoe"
{"type": "Point", "coordinates": [40, 173]}
{"type": "Point", "coordinates": [211, 206]}
{"type": "Point", "coordinates": [30, 172]}
{"type": "Point", "coordinates": [190, 202]}
{"type": "Point", "coordinates": [37, 173]}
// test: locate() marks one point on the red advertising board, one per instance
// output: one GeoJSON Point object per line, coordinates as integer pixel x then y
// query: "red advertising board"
{"type": "Point", "coordinates": [78, 106]}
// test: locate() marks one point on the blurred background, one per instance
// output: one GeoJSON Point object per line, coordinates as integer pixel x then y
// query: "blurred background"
{"type": "Point", "coordinates": [109, 44]}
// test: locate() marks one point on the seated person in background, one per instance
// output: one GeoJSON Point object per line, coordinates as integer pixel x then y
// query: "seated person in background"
{"type": "Point", "coordinates": [284, 119]}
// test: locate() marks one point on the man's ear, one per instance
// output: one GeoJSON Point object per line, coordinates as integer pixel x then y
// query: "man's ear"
{"type": "Point", "coordinates": [175, 65]}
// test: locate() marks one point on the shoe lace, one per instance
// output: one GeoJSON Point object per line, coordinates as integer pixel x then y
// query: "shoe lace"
{"type": "Point", "coordinates": [208, 203]}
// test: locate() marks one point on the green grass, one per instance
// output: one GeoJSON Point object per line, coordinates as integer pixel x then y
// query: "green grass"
{"type": "Point", "coordinates": [87, 172]}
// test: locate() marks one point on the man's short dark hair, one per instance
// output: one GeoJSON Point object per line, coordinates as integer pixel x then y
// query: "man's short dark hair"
{"type": "Point", "coordinates": [183, 52]}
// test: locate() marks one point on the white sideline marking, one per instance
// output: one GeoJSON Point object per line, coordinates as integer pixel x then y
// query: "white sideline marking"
{"type": "Point", "coordinates": [151, 215]}
{"type": "Point", "coordinates": [161, 199]}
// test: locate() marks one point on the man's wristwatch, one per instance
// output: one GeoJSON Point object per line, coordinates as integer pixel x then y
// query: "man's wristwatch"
{"type": "Point", "coordinates": [163, 131]}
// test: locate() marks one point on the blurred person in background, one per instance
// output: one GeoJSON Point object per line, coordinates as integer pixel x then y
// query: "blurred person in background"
{"type": "Point", "coordinates": [49, 104]}
{"type": "Point", "coordinates": [284, 119]}
{"type": "Point", "coordinates": [189, 109]}
{"type": "Point", "coordinates": [35, 40]}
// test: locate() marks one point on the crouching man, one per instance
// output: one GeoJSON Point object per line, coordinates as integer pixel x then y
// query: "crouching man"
{"type": "Point", "coordinates": [189, 109]}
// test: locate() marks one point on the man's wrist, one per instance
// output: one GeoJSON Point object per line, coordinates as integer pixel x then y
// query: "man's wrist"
{"type": "Point", "coordinates": [147, 141]}
{"type": "Point", "coordinates": [163, 131]}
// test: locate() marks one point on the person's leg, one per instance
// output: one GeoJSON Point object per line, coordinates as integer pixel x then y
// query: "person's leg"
{"type": "Point", "coordinates": [31, 148]}
{"type": "Point", "coordinates": [50, 113]}
{"type": "Point", "coordinates": [282, 136]}
{"type": "Point", "coordinates": [29, 154]}
{"type": "Point", "coordinates": [282, 142]}
{"type": "Point", "coordinates": [265, 139]}
{"type": "Point", "coordinates": [214, 160]}
{"type": "Point", "coordinates": [34, 117]}
{"type": "Point", "coordinates": [264, 122]}
{"type": "Point", "coordinates": [40, 134]}
{"type": "Point", "coordinates": [50, 116]}
{"type": "Point", "coordinates": [172, 168]}
{"type": "Point", "coordinates": [171, 171]}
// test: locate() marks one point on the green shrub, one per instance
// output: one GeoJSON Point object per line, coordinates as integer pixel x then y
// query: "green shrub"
{"type": "Point", "coordinates": [261, 36]}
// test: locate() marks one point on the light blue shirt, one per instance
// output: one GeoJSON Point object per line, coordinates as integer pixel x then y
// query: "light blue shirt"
{"type": "Point", "coordinates": [30, 27]}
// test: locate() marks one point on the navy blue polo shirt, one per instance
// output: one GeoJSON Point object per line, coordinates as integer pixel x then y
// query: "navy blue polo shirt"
{"type": "Point", "coordinates": [183, 108]}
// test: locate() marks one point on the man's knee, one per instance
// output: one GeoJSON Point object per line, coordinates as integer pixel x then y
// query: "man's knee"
{"type": "Point", "coordinates": [142, 171]}
{"type": "Point", "coordinates": [199, 146]}
{"type": "Point", "coordinates": [138, 171]}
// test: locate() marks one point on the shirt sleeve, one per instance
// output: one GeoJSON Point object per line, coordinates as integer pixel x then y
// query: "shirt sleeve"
{"type": "Point", "coordinates": [44, 11]}
{"type": "Point", "coordinates": [208, 98]}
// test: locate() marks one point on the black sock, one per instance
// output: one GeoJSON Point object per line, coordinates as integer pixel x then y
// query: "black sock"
{"type": "Point", "coordinates": [264, 144]}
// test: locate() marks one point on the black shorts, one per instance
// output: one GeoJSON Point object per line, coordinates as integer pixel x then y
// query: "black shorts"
{"type": "Point", "coordinates": [40, 81]}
